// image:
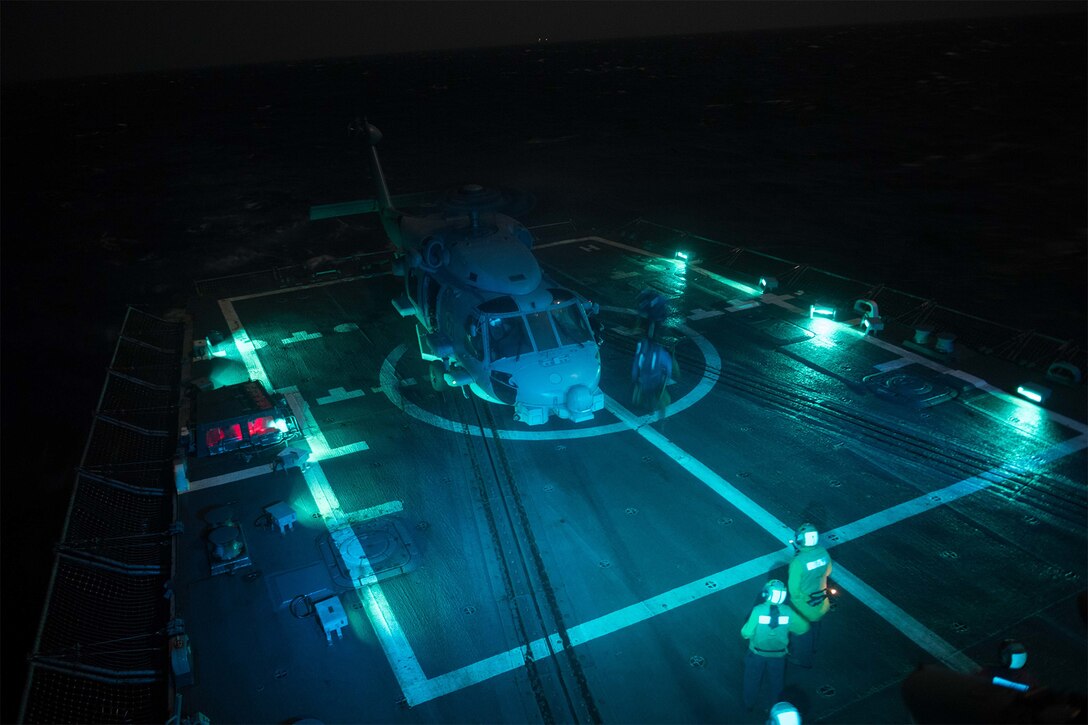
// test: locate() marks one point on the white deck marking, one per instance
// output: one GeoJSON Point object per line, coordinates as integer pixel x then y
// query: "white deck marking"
{"type": "Point", "coordinates": [772, 299]}
{"type": "Point", "coordinates": [701, 314]}
{"type": "Point", "coordinates": [719, 485]}
{"type": "Point", "coordinates": [712, 365]}
{"type": "Point", "coordinates": [780, 301]}
{"type": "Point", "coordinates": [940, 497]}
{"type": "Point", "coordinates": [229, 477]}
{"type": "Point", "coordinates": [374, 512]}
{"type": "Point", "coordinates": [300, 336]}
{"type": "Point", "coordinates": [908, 625]}
{"type": "Point", "coordinates": [604, 625]}
{"type": "Point", "coordinates": [737, 305]}
{"type": "Point", "coordinates": [244, 346]}
{"type": "Point", "coordinates": [319, 446]}
{"type": "Point", "coordinates": [893, 364]}
{"type": "Point", "coordinates": [337, 394]}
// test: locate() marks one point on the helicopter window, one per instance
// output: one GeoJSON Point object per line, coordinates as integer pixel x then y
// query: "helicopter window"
{"type": "Point", "coordinates": [542, 331]}
{"type": "Point", "coordinates": [474, 338]}
{"type": "Point", "coordinates": [571, 325]}
{"type": "Point", "coordinates": [508, 337]}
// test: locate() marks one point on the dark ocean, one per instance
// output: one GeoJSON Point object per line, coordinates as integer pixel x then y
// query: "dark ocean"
{"type": "Point", "coordinates": [944, 159]}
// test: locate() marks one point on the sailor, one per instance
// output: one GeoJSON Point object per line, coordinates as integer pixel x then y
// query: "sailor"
{"type": "Point", "coordinates": [650, 373]}
{"type": "Point", "coordinates": [1012, 673]}
{"type": "Point", "coordinates": [768, 632]}
{"type": "Point", "coordinates": [809, 570]}
{"type": "Point", "coordinates": [653, 307]}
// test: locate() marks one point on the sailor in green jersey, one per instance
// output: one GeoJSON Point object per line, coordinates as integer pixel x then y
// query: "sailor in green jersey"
{"type": "Point", "coordinates": [768, 632]}
{"type": "Point", "coordinates": [809, 570]}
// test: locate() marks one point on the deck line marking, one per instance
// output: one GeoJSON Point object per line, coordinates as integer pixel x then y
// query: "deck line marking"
{"type": "Point", "coordinates": [231, 477]}
{"type": "Point", "coordinates": [892, 614]}
{"type": "Point", "coordinates": [893, 364]}
{"type": "Point", "coordinates": [387, 376]}
{"type": "Point", "coordinates": [606, 624]}
{"type": "Point", "coordinates": [319, 445]}
{"type": "Point", "coordinates": [906, 624]}
{"type": "Point", "coordinates": [243, 344]}
{"type": "Point", "coordinates": [701, 471]}
{"type": "Point", "coordinates": [940, 497]}
{"type": "Point", "coordinates": [780, 301]}
{"type": "Point", "coordinates": [390, 635]}
{"type": "Point", "coordinates": [677, 597]}
{"type": "Point", "coordinates": [374, 512]}
{"type": "Point", "coordinates": [337, 395]}
{"type": "Point", "coordinates": [474, 673]}
{"type": "Point", "coordinates": [300, 336]}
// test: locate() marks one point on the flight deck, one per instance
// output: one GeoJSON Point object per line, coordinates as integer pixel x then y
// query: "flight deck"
{"type": "Point", "coordinates": [601, 571]}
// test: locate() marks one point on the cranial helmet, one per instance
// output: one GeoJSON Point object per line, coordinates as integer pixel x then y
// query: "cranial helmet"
{"type": "Point", "coordinates": [1013, 654]}
{"type": "Point", "coordinates": [807, 535]}
{"type": "Point", "coordinates": [774, 591]}
{"type": "Point", "coordinates": [784, 713]}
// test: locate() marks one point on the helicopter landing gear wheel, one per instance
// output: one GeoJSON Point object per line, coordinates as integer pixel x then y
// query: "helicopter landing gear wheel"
{"type": "Point", "coordinates": [437, 370]}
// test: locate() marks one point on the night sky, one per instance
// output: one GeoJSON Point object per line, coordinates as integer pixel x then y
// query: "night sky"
{"type": "Point", "coordinates": [68, 39]}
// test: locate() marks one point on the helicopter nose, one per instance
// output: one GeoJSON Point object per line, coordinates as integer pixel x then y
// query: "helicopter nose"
{"type": "Point", "coordinates": [579, 399]}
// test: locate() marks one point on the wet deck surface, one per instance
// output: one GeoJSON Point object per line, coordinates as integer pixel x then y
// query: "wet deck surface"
{"type": "Point", "coordinates": [624, 554]}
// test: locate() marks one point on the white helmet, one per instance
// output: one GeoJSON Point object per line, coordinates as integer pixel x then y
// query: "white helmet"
{"type": "Point", "coordinates": [774, 591]}
{"type": "Point", "coordinates": [807, 535]}
{"type": "Point", "coordinates": [784, 713]}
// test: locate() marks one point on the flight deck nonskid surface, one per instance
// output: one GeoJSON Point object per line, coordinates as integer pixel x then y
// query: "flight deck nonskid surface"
{"type": "Point", "coordinates": [602, 571]}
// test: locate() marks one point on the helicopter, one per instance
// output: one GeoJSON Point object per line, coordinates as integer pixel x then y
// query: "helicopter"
{"type": "Point", "coordinates": [487, 318]}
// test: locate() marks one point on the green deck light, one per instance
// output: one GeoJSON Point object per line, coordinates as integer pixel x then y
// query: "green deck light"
{"type": "Point", "coordinates": [768, 284]}
{"type": "Point", "coordinates": [1033, 392]}
{"type": "Point", "coordinates": [683, 257]}
{"type": "Point", "coordinates": [819, 310]}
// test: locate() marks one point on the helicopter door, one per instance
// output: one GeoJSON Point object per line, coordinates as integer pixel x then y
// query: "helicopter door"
{"type": "Point", "coordinates": [423, 291]}
{"type": "Point", "coordinates": [429, 298]}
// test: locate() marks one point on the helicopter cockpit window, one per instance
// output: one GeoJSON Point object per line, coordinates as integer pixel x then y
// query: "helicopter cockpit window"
{"type": "Point", "coordinates": [542, 331]}
{"type": "Point", "coordinates": [508, 337]}
{"type": "Point", "coordinates": [474, 338]}
{"type": "Point", "coordinates": [571, 324]}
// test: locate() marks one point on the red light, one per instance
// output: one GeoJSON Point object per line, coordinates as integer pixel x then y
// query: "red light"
{"type": "Point", "coordinates": [261, 426]}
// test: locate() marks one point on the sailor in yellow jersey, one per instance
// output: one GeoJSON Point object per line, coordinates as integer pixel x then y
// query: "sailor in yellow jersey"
{"type": "Point", "coordinates": [809, 570]}
{"type": "Point", "coordinates": [768, 632]}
